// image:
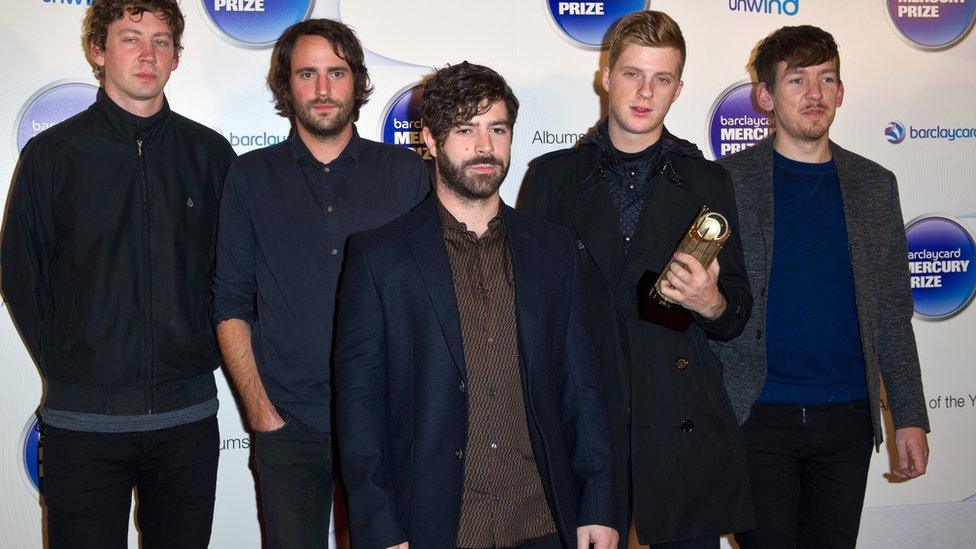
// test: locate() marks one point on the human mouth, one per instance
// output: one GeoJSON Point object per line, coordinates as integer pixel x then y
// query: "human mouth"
{"type": "Point", "coordinates": [146, 76]}
{"type": "Point", "coordinates": [640, 111]}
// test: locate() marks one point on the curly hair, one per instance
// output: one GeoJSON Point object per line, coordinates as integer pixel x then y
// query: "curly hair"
{"type": "Point", "coordinates": [800, 46]}
{"type": "Point", "coordinates": [102, 13]}
{"type": "Point", "coordinates": [344, 44]}
{"type": "Point", "coordinates": [457, 93]}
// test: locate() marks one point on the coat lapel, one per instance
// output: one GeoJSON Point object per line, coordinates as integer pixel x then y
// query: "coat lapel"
{"type": "Point", "coordinates": [667, 212]}
{"type": "Point", "coordinates": [426, 241]}
{"type": "Point", "coordinates": [524, 249]}
{"type": "Point", "coordinates": [593, 215]}
{"type": "Point", "coordinates": [761, 186]}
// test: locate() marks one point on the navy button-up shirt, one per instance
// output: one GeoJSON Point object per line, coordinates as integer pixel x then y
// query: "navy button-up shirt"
{"type": "Point", "coordinates": [284, 220]}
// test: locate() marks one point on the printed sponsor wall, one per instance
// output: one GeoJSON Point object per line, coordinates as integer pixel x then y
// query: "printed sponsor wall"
{"type": "Point", "coordinates": [909, 68]}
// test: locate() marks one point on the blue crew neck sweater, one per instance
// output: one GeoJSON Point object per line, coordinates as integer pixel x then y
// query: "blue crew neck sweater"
{"type": "Point", "coordinates": [813, 345]}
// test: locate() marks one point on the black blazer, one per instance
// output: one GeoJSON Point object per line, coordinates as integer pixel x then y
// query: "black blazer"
{"type": "Point", "coordinates": [680, 462]}
{"type": "Point", "coordinates": [401, 405]}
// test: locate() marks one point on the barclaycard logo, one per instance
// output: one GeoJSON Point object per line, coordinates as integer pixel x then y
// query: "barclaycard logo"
{"type": "Point", "coordinates": [895, 132]}
{"type": "Point", "coordinates": [586, 24]}
{"type": "Point", "coordinates": [735, 123]}
{"type": "Point", "coordinates": [50, 105]}
{"type": "Point", "coordinates": [941, 250]}
{"type": "Point", "coordinates": [932, 24]}
{"type": "Point", "coordinates": [30, 444]}
{"type": "Point", "coordinates": [401, 124]}
{"type": "Point", "coordinates": [254, 23]}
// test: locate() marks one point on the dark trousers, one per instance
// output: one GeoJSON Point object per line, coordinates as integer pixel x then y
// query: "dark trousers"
{"type": "Point", "coordinates": [294, 468]}
{"type": "Point", "coordinates": [703, 543]}
{"type": "Point", "coordinates": [808, 468]}
{"type": "Point", "coordinates": [88, 479]}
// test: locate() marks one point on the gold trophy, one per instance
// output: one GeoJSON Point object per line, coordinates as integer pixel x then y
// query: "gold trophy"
{"type": "Point", "coordinates": [703, 240]}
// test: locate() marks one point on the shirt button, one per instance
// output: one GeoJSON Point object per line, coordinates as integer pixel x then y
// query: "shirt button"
{"type": "Point", "coordinates": [687, 426]}
{"type": "Point", "coordinates": [491, 340]}
{"type": "Point", "coordinates": [325, 169]}
{"type": "Point", "coordinates": [494, 446]}
{"type": "Point", "coordinates": [458, 453]}
{"type": "Point", "coordinates": [632, 174]}
{"type": "Point", "coordinates": [493, 392]}
{"type": "Point", "coordinates": [334, 251]}
{"type": "Point", "coordinates": [461, 386]}
{"type": "Point", "coordinates": [631, 187]}
{"type": "Point", "coordinates": [626, 239]}
{"type": "Point", "coordinates": [681, 363]}
{"type": "Point", "coordinates": [329, 209]}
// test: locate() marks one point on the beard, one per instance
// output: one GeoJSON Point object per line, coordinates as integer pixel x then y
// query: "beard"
{"type": "Point", "coordinates": [816, 130]}
{"type": "Point", "coordinates": [320, 128]}
{"type": "Point", "coordinates": [476, 187]}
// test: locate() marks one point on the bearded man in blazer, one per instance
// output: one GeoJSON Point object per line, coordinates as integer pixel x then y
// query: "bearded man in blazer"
{"type": "Point", "coordinates": [469, 406]}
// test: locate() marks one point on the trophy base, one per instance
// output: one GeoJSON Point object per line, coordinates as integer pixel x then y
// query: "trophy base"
{"type": "Point", "coordinates": [653, 308]}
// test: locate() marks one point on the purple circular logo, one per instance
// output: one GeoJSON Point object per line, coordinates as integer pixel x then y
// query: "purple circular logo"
{"type": "Point", "coordinates": [940, 255]}
{"type": "Point", "coordinates": [50, 105]}
{"type": "Point", "coordinates": [932, 24]}
{"type": "Point", "coordinates": [30, 443]}
{"type": "Point", "coordinates": [734, 123]}
{"type": "Point", "coordinates": [401, 125]}
{"type": "Point", "coordinates": [255, 23]}
{"type": "Point", "coordinates": [895, 132]}
{"type": "Point", "coordinates": [587, 24]}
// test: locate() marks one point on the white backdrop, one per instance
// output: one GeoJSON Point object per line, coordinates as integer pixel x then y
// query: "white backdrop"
{"type": "Point", "coordinates": [909, 79]}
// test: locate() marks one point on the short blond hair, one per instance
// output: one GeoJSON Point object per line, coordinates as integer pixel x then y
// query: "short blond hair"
{"type": "Point", "coordinates": [652, 29]}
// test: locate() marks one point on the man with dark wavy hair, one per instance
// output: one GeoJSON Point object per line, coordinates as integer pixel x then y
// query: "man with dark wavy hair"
{"type": "Point", "coordinates": [469, 409]}
{"type": "Point", "coordinates": [825, 247]}
{"type": "Point", "coordinates": [284, 218]}
{"type": "Point", "coordinates": [107, 254]}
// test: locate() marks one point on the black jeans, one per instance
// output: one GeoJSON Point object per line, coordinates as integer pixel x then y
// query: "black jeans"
{"type": "Point", "coordinates": [88, 480]}
{"type": "Point", "coordinates": [294, 468]}
{"type": "Point", "coordinates": [808, 468]}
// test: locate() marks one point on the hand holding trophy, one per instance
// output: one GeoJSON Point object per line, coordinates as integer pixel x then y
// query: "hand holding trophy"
{"type": "Point", "coordinates": [703, 240]}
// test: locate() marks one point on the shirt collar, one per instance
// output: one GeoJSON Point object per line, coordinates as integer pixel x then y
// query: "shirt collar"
{"type": "Point", "coordinates": [350, 154]}
{"type": "Point", "coordinates": [450, 223]}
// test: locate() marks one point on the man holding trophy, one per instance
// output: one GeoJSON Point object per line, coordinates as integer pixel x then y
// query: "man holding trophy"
{"type": "Point", "coordinates": [638, 200]}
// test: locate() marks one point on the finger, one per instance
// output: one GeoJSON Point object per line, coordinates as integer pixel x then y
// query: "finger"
{"type": "Point", "coordinates": [901, 471]}
{"type": "Point", "coordinates": [678, 269]}
{"type": "Point", "coordinates": [691, 263]}
{"type": "Point", "coordinates": [582, 539]}
{"type": "Point", "coordinates": [677, 283]}
{"type": "Point", "coordinates": [714, 269]}
{"type": "Point", "coordinates": [670, 292]}
{"type": "Point", "coordinates": [919, 460]}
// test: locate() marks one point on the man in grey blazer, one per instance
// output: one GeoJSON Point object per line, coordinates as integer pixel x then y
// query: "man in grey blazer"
{"type": "Point", "coordinates": [832, 312]}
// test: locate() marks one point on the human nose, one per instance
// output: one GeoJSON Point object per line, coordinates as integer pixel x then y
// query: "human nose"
{"type": "Point", "coordinates": [483, 144]}
{"type": "Point", "coordinates": [148, 53]}
{"type": "Point", "coordinates": [814, 90]}
{"type": "Point", "coordinates": [646, 90]}
{"type": "Point", "coordinates": [322, 87]}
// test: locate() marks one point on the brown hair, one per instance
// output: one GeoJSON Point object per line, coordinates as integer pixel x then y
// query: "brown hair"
{"type": "Point", "coordinates": [344, 44]}
{"type": "Point", "coordinates": [103, 13]}
{"type": "Point", "coordinates": [457, 93]}
{"type": "Point", "coordinates": [800, 46]}
{"type": "Point", "coordinates": [653, 29]}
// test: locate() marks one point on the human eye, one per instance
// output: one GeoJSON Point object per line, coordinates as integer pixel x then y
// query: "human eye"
{"type": "Point", "coordinates": [338, 74]}
{"type": "Point", "coordinates": [162, 43]}
{"type": "Point", "coordinates": [663, 80]}
{"type": "Point", "coordinates": [499, 130]}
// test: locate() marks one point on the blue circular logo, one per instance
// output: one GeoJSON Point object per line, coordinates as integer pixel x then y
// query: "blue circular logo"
{"type": "Point", "coordinates": [31, 456]}
{"type": "Point", "coordinates": [895, 132]}
{"type": "Point", "coordinates": [401, 125]}
{"type": "Point", "coordinates": [50, 105]}
{"type": "Point", "coordinates": [735, 123]}
{"type": "Point", "coordinates": [933, 24]}
{"type": "Point", "coordinates": [255, 23]}
{"type": "Point", "coordinates": [940, 255]}
{"type": "Point", "coordinates": [587, 24]}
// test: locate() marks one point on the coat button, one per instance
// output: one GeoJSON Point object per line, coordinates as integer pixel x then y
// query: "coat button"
{"type": "Point", "coordinates": [458, 453]}
{"type": "Point", "coordinates": [681, 363]}
{"type": "Point", "coordinates": [758, 334]}
{"type": "Point", "coordinates": [687, 426]}
{"type": "Point", "coordinates": [461, 386]}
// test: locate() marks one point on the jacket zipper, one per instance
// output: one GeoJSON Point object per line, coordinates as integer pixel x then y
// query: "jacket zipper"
{"type": "Point", "coordinates": [147, 266]}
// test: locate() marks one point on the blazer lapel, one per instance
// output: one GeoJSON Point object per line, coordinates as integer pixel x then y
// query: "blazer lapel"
{"type": "Point", "coordinates": [761, 186]}
{"type": "Point", "coordinates": [593, 216]}
{"type": "Point", "coordinates": [426, 241]}
{"type": "Point", "coordinates": [525, 265]}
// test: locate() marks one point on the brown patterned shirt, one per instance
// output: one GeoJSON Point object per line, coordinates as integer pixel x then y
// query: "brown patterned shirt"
{"type": "Point", "coordinates": [503, 503]}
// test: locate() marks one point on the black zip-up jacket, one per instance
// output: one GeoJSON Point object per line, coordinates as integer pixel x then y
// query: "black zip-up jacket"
{"type": "Point", "coordinates": [108, 248]}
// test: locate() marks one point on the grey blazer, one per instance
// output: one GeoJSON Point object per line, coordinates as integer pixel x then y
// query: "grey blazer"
{"type": "Point", "coordinates": [879, 260]}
